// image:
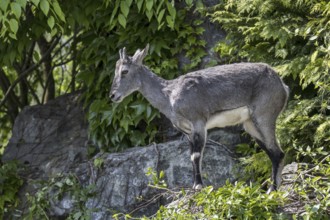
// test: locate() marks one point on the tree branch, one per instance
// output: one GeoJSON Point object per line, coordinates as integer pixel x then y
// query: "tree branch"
{"type": "Point", "coordinates": [74, 65]}
{"type": "Point", "coordinates": [34, 94]}
{"type": "Point", "coordinates": [29, 70]}
{"type": "Point", "coordinates": [12, 99]}
{"type": "Point", "coordinates": [49, 91]}
{"type": "Point", "coordinates": [26, 72]}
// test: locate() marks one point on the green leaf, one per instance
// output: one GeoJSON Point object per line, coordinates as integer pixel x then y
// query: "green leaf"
{"type": "Point", "coordinates": [160, 5]}
{"type": "Point", "coordinates": [114, 12]}
{"type": "Point", "coordinates": [149, 4]}
{"type": "Point", "coordinates": [69, 182]}
{"type": "Point", "coordinates": [139, 4]}
{"type": "Point", "coordinates": [189, 2]}
{"type": "Point", "coordinates": [77, 215]}
{"type": "Point", "coordinates": [129, 2]}
{"type": "Point", "coordinates": [139, 108]}
{"type": "Point", "coordinates": [124, 8]}
{"type": "Point", "coordinates": [58, 11]}
{"type": "Point", "coordinates": [22, 3]}
{"type": "Point", "coordinates": [36, 2]}
{"type": "Point", "coordinates": [122, 20]}
{"type": "Point", "coordinates": [13, 25]}
{"type": "Point", "coordinates": [315, 208]}
{"type": "Point", "coordinates": [170, 22]}
{"type": "Point", "coordinates": [314, 56]}
{"type": "Point", "coordinates": [149, 111]}
{"type": "Point", "coordinates": [160, 16]}
{"type": "Point", "coordinates": [44, 6]}
{"type": "Point", "coordinates": [161, 174]}
{"type": "Point", "coordinates": [16, 9]}
{"type": "Point", "coordinates": [4, 5]}
{"type": "Point", "coordinates": [124, 123]}
{"type": "Point", "coordinates": [51, 22]}
{"type": "Point", "coordinates": [171, 10]}
{"type": "Point", "coordinates": [149, 14]}
{"type": "Point", "coordinates": [313, 38]}
{"type": "Point", "coordinates": [86, 76]}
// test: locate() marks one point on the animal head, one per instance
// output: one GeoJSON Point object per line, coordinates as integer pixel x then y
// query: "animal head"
{"type": "Point", "coordinates": [127, 78]}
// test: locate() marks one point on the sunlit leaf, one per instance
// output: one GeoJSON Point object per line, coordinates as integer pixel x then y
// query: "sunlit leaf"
{"type": "Point", "coordinates": [51, 22]}
{"type": "Point", "coordinates": [139, 4]}
{"type": "Point", "coordinates": [122, 20]}
{"type": "Point", "coordinates": [58, 10]}
{"type": "Point", "coordinates": [4, 5]}
{"type": "Point", "coordinates": [16, 9]}
{"type": "Point", "coordinates": [124, 8]}
{"type": "Point", "coordinates": [44, 6]}
{"type": "Point", "coordinates": [22, 3]}
{"type": "Point", "coordinates": [160, 16]}
{"type": "Point", "coordinates": [149, 4]}
{"type": "Point", "coordinates": [35, 2]}
{"type": "Point", "coordinates": [13, 25]}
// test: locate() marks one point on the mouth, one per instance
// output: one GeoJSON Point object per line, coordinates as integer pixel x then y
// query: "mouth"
{"type": "Point", "coordinates": [115, 98]}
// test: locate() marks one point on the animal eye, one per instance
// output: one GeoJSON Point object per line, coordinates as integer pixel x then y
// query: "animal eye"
{"type": "Point", "coordinates": [124, 72]}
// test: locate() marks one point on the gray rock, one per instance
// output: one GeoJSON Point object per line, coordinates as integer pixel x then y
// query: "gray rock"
{"type": "Point", "coordinates": [290, 176]}
{"type": "Point", "coordinates": [43, 134]}
{"type": "Point", "coordinates": [123, 181]}
{"type": "Point", "coordinates": [51, 141]}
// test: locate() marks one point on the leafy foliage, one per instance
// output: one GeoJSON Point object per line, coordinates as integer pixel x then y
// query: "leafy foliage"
{"type": "Point", "coordinates": [293, 36]}
{"type": "Point", "coordinates": [65, 46]}
{"type": "Point", "coordinates": [34, 57]}
{"type": "Point", "coordinates": [238, 201]}
{"type": "Point", "coordinates": [53, 191]}
{"type": "Point", "coordinates": [304, 196]}
{"type": "Point", "coordinates": [10, 183]}
{"type": "Point", "coordinates": [130, 123]}
{"type": "Point", "coordinates": [311, 187]}
{"type": "Point", "coordinates": [232, 201]}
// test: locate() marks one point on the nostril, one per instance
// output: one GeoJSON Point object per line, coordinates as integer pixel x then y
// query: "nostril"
{"type": "Point", "coordinates": [114, 96]}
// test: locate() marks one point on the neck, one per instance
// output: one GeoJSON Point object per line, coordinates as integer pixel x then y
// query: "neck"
{"type": "Point", "coordinates": [152, 88]}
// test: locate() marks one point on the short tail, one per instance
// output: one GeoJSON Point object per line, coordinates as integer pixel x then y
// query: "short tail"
{"type": "Point", "coordinates": [287, 94]}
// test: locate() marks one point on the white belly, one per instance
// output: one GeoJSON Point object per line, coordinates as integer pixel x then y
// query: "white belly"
{"type": "Point", "coordinates": [228, 118]}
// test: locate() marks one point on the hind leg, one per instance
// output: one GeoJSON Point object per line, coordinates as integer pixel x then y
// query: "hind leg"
{"type": "Point", "coordinates": [197, 139]}
{"type": "Point", "coordinates": [265, 136]}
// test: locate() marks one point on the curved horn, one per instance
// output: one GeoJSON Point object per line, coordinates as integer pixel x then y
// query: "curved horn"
{"type": "Point", "coordinates": [122, 53]}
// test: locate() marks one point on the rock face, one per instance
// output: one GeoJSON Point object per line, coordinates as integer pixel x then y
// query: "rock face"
{"type": "Point", "coordinates": [51, 140]}
{"type": "Point", "coordinates": [123, 178]}
{"type": "Point", "coordinates": [46, 132]}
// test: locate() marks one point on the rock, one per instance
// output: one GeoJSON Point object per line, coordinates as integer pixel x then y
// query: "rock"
{"type": "Point", "coordinates": [123, 179]}
{"type": "Point", "coordinates": [51, 141]}
{"type": "Point", "coordinates": [290, 178]}
{"type": "Point", "coordinates": [213, 33]}
{"type": "Point", "coordinates": [43, 134]}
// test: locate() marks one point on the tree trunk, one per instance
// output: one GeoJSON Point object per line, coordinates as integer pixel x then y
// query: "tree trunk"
{"type": "Point", "coordinates": [49, 92]}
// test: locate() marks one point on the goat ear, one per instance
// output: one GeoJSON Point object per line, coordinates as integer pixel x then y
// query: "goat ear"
{"type": "Point", "coordinates": [139, 55]}
{"type": "Point", "coordinates": [136, 54]}
{"type": "Point", "coordinates": [122, 53]}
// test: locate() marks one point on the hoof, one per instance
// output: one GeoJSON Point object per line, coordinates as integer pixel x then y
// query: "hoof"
{"type": "Point", "coordinates": [198, 187]}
